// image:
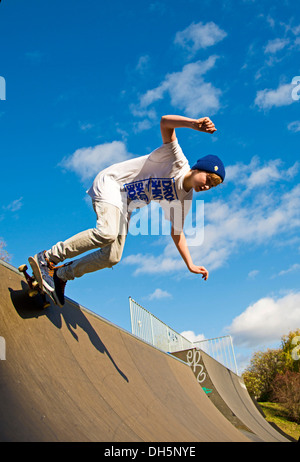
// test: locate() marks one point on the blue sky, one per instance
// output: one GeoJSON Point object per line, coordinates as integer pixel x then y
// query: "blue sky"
{"type": "Point", "coordinates": [86, 85]}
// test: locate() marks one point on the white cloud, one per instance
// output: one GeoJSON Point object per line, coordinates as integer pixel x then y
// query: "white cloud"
{"type": "Point", "coordinates": [143, 64]}
{"type": "Point", "coordinates": [85, 126]}
{"type": "Point", "coordinates": [296, 30]}
{"type": "Point", "coordinates": [265, 174]}
{"type": "Point", "coordinates": [158, 294]}
{"type": "Point", "coordinates": [142, 125]}
{"type": "Point", "coordinates": [294, 126]}
{"type": "Point", "coordinates": [282, 96]}
{"type": "Point", "coordinates": [15, 205]}
{"type": "Point", "coordinates": [273, 46]}
{"type": "Point", "coordinates": [266, 320]}
{"type": "Point", "coordinates": [154, 95]}
{"type": "Point", "coordinates": [252, 274]}
{"type": "Point", "coordinates": [199, 36]}
{"type": "Point", "coordinates": [150, 264]}
{"type": "Point", "coordinates": [87, 162]}
{"type": "Point", "coordinates": [291, 269]}
{"type": "Point", "coordinates": [187, 89]}
{"type": "Point", "coordinates": [148, 118]}
{"type": "Point", "coordinates": [192, 337]}
{"type": "Point", "coordinates": [254, 174]}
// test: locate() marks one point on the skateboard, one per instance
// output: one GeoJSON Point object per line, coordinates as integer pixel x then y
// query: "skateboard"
{"type": "Point", "coordinates": [35, 282]}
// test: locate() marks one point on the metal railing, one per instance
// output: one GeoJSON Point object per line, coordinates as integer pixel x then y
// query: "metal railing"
{"type": "Point", "coordinates": [221, 349]}
{"type": "Point", "coordinates": [149, 328]}
{"type": "Point", "coordinates": [152, 330]}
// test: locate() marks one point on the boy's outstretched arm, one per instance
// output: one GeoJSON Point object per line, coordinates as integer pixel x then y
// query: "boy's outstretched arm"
{"type": "Point", "coordinates": [168, 124]}
{"type": "Point", "coordinates": [181, 244]}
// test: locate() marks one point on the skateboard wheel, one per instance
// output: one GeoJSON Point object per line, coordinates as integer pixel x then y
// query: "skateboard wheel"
{"type": "Point", "coordinates": [35, 285]}
{"type": "Point", "coordinates": [23, 268]}
{"type": "Point", "coordinates": [32, 292]}
{"type": "Point", "coordinates": [46, 305]}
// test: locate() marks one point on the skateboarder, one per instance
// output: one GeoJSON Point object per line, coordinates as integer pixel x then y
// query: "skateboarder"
{"type": "Point", "coordinates": [163, 176]}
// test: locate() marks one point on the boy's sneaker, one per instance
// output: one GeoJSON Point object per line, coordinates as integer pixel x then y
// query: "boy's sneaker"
{"type": "Point", "coordinates": [47, 270]}
{"type": "Point", "coordinates": [59, 290]}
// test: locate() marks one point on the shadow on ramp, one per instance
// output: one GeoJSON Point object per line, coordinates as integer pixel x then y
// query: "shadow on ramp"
{"type": "Point", "coordinates": [71, 314]}
{"type": "Point", "coordinates": [70, 375]}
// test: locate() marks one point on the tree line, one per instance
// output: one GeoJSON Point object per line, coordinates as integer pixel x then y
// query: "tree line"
{"type": "Point", "coordinates": [274, 375]}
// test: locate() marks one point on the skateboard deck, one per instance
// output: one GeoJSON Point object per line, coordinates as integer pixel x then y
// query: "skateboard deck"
{"type": "Point", "coordinates": [35, 282]}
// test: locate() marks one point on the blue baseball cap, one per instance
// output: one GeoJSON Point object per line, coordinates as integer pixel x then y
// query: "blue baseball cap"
{"type": "Point", "coordinates": [210, 164]}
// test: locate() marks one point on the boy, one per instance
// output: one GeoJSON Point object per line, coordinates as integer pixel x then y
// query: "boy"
{"type": "Point", "coordinates": [163, 176]}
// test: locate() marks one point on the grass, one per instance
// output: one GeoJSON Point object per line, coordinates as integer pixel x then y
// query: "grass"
{"type": "Point", "coordinates": [276, 413]}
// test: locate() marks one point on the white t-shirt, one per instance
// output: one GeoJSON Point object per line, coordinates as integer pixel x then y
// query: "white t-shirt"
{"type": "Point", "coordinates": [157, 177]}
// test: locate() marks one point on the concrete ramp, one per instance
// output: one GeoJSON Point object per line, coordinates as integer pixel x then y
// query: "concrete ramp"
{"type": "Point", "coordinates": [69, 375]}
{"type": "Point", "coordinates": [229, 394]}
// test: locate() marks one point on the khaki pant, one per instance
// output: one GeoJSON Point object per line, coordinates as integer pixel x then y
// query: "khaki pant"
{"type": "Point", "coordinates": [109, 237]}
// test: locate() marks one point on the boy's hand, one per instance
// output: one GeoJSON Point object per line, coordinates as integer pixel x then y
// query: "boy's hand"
{"type": "Point", "coordinates": [205, 125]}
{"type": "Point", "coordinates": [199, 270]}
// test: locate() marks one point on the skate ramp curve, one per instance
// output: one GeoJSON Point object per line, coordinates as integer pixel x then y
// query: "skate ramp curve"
{"type": "Point", "coordinates": [229, 394]}
{"type": "Point", "coordinates": [70, 375]}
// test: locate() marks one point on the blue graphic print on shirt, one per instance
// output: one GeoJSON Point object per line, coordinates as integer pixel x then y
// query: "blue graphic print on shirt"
{"type": "Point", "coordinates": [151, 189]}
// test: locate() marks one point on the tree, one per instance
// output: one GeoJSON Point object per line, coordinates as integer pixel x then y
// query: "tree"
{"type": "Point", "coordinates": [263, 368]}
{"type": "Point", "coordinates": [4, 255]}
{"type": "Point", "coordinates": [286, 390]}
{"type": "Point", "coordinates": [286, 385]}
